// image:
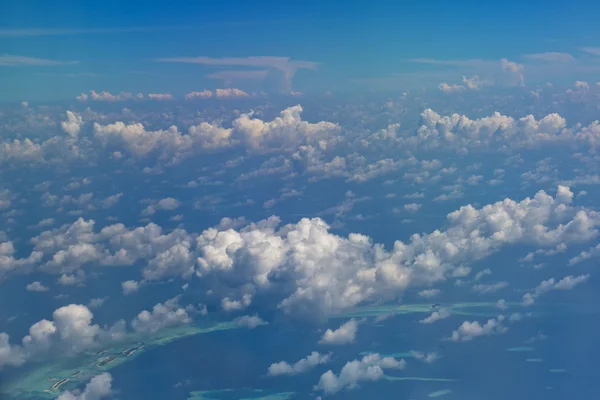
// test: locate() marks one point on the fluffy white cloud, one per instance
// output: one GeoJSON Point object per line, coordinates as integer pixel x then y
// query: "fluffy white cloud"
{"type": "Point", "coordinates": [312, 145]}
{"type": "Point", "coordinates": [472, 329]}
{"type": "Point", "coordinates": [312, 272]}
{"type": "Point", "coordinates": [564, 194]}
{"type": "Point", "coordinates": [160, 96]}
{"type": "Point", "coordinates": [515, 71]}
{"type": "Point", "coordinates": [59, 150]}
{"type": "Point", "coordinates": [250, 321]}
{"type": "Point", "coordinates": [205, 94]}
{"type": "Point", "coordinates": [166, 204]}
{"type": "Point", "coordinates": [72, 258]}
{"type": "Point", "coordinates": [163, 315]}
{"type": "Point", "coordinates": [71, 247]}
{"type": "Point", "coordinates": [567, 283]}
{"type": "Point", "coordinates": [111, 201]}
{"type": "Point", "coordinates": [107, 96]}
{"type": "Point", "coordinates": [468, 84]}
{"type": "Point", "coordinates": [462, 133]}
{"type": "Point", "coordinates": [230, 93]}
{"type": "Point", "coordinates": [286, 129]}
{"type": "Point", "coordinates": [73, 124]}
{"type": "Point", "coordinates": [70, 331]}
{"type": "Point", "coordinates": [235, 305]}
{"type": "Point", "coordinates": [130, 287]}
{"type": "Point", "coordinates": [370, 368]}
{"type": "Point", "coordinates": [446, 88]}
{"type": "Point", "coordinates": [139, 142]}
{"type": "Point", "coordinates": [436, 316]}
{"type": "Point", "coordinates": [8, 263]}
{"type": "Point", "coordinates": [99, 387]}
{"type": "Point", "coordinates": [97, 302]}
{"type": "Point", "coordinates": [171, 145]}
{"type": "Point", "coordinates": [346, 333]}
{"type": "Point", "coordinates": [232, 223]}
{"type": "Point", "coordinates": [413, 207]}
{"type": "Point", "coordinates": [303, 365]}
{"type": "Point", "coordinates": [36, 287]}
{"type": "Point", "coordinates": [72, 279]}
{"type": "Point", "coordinates": [585, 255]}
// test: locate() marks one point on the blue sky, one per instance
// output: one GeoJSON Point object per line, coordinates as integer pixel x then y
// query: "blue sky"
{"type": "Point", "coordinates": [112, 45]}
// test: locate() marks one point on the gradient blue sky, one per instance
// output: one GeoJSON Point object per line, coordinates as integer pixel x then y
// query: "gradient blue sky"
{"type": "Point", "coordinates": [359, 45]}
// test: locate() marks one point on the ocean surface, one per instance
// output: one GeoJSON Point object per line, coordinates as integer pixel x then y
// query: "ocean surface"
{"type": "Point", "coordinates": [515, 365]}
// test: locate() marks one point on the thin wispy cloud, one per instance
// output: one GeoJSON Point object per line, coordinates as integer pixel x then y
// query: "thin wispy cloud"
{"type": "Point", "coordinates": [9, 60]}
{"type": "Point", "coordinates": [279, 70]}
{"type": "Point", "coordinates": [30, 32]}
{"type": "Point", "coordinates": [595, 51]}
{"type": "Point", "coordinates": [550, 57]}
{"type": "Point", "coordinates": [474, 62]}
{"type": "Point", "coordinates": [281, 63]}
{"type": "Point", "coordinates": [70, 75]}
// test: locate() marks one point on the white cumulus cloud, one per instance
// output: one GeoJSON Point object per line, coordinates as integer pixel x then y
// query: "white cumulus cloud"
{"type": "Point", "coordinates": [300, 366]}
{"type": "Point", "coordinates": [370, 368]}
{"type": "Point", "coordinates": [346, 333]}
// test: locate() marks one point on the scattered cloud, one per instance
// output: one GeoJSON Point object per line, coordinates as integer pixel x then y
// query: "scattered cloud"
{"type": "Point", "coordinates": [230, 93]}
{"type": "Point", "coordinates": [166, 204]}
{"type": "Point", "coordinates": [370, 368]}
{"type": "Point", "coordinates": [567, 283]}
{"type": "Point", "coordinates": [107, 96]}
{"type": "Point", "coordinates": [436, 316]}
{"type": "Point", "coordinates": [250, 321]}
{"type": "Point", "coordinates": [130, 287]}
{"type": "Point", "coordinates": [163, 315]}
{"type": "Point", "coordinates": [585, 255]}
{"type": "Point", "coordinates": [305, 364]}
{"type": "Point", "coordinates": [345, 334]}
{"type": "Point", "coordinates": [160, 96]}
{"type": "Point", "coordinates": [205, 94]}
{"type": "Point", "coordinates": [36, 287]}
{"type": "Point", "coordinates": [471, 330]}
{"type": "Point", "coordinates": [70, 331]}
{"type": "Point", "coordinates": [517, 71]}
{"type": "Point", "coordinates": [473, 83]}
{"type": "Point", "coordinates": [288, 261]}
{"type": "Point", "coordinates": [413, 207]}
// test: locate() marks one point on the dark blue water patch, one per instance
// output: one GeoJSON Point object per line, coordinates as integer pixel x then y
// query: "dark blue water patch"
{"type": "Point", "coordinates": [228, 359]}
